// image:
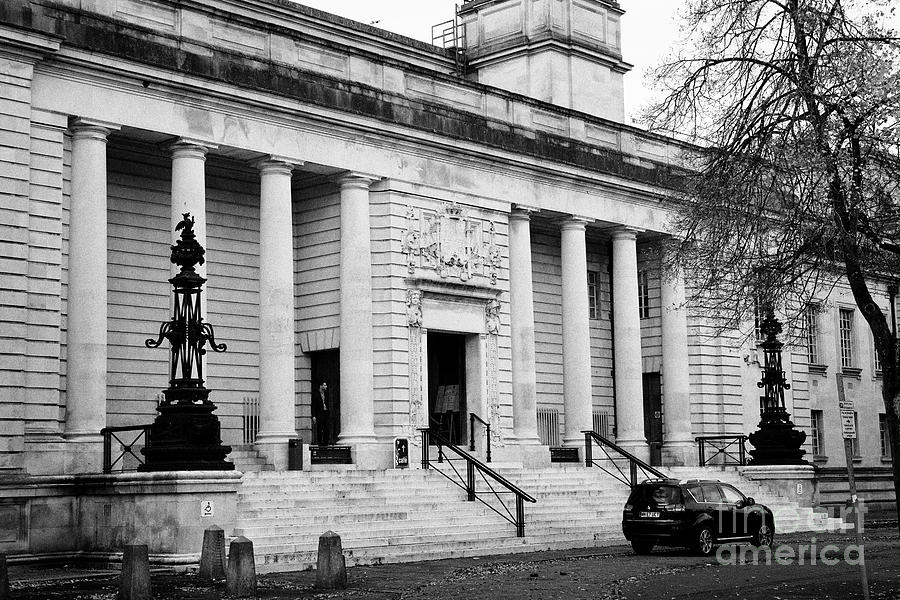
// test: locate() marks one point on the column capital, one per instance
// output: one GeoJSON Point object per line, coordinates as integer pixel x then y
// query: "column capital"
{"type": "Point", "coordinates": [626, 233]}
{"type": "Point", "coordinates": [523, 210]}
{"type": "Point", "coordinates": [355, 179]}
{"type": "Point", "coordinates": [277, 164]}
{"type": "Point", "coordinates": [83, 128]}
{"type": "Point", "coordinates": [574, 223]}
{"type": "Point", "coordinates": [189, 148]}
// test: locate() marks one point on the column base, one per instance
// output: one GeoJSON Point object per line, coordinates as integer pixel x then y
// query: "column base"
{"type": "Point", "coordinates": [639, 448]}
{"type": "Point", "coordinates": [81, 457]}
{"type": "Point", "coordinates": [679, 454]}
{"type": "Point", "coordinates": [535, 455]}
{"type": "Point", "coordinates": [274, 449]}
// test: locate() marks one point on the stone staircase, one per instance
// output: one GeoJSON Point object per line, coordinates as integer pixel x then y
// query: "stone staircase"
{"type": "Point", "coordinates": [411, 515]}
{"type": "Point", "coordinates": [790, 517]}
{"type": "Point", "coordinates": [247, 460]}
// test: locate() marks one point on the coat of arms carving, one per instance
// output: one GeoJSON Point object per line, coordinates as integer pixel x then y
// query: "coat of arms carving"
{"type": "Point", "coordinates": [451, 243]}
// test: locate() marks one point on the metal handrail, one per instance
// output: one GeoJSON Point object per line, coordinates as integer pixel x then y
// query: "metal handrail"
{"type": "Point", "coordinates": [634, 463]}
{"type": "Point", "coordinates": [722, 448]}
{"type": "Point", "coordinates": [472, 418]}
{"type": "Point", "coordinates": [468, 483]}
{"type": "Point", "coordinates": [109, 433]}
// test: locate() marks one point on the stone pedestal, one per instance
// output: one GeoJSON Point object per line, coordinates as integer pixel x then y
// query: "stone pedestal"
{"type": "Point", "coordinates": [240, 578]}
{"type": "Point", "coordinates": [134, 583]}
{"type": "Point", "coordinates": [331, 568]}
{"type": "Point", "coordinates": [186, 437]}
{"type": "Point", "coordinates": [796, 482]}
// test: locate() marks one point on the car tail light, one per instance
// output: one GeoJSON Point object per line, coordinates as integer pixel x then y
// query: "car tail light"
{"type": "Point", "coordinates": [629, 507]}
{"type": "Point", "coordinates": [676, 508]}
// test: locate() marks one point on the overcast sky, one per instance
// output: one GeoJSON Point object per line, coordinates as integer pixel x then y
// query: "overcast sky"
{"type": "Point", "coordinates": [648, 29]}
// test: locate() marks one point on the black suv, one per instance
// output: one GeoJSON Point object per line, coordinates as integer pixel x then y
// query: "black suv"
{"type": "Point", "coordinates": [695, 513]}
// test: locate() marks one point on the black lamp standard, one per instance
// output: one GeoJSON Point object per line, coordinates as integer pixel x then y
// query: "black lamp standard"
{"type": "Point", "coordinates": [185, 434]}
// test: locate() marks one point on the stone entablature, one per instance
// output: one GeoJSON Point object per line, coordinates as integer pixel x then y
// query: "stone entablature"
{"type": "Point", "coordinates": [229, 41]}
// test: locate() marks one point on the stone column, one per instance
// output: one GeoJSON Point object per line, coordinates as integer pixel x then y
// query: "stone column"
{"type": "Point", "coordinates": [86, 326]}
{"type": "Point", "coordinates": [276, 312]}
{"type": "Point", "coordinates": [678, 443]}
{"type": "Point", "coordinates": [189, 189]}
{"type": "Point", "coordinates": [627, 346]}
{"type": "Point", "coordinates": [576, 333]}
{"type": "Point", "coordinates": [521, 306]}
{"type": "Point", "coordinates": [356, 354]}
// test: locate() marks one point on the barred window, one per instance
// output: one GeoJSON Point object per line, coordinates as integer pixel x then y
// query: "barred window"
{"type": "Point", "coordinates": [644, 294]}
{"type": "Point", "coordinates": [593, 278]}
{"type": "Point", "coordinates": [885, 436]}
{"type": "Point", "coordinates": [812, 334]}
{"type": "Point", "coordinates": [846, 335]}
{"type": "Point", "coordinates": [877, 356]}
{"type": "Point", "coordinates": [817, 426]}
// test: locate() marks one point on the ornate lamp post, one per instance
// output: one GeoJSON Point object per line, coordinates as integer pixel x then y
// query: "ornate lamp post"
{"type": "Point", "coordinates": [777, 441]}
{"type": "Point", "coordinates": [185, 434]}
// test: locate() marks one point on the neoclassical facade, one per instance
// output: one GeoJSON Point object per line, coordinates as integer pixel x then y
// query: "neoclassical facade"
{"type": "Point", "coordinates": [392, 243]}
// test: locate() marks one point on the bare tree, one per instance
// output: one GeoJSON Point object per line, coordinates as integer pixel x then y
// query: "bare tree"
{"type": "Point", "coordinates": [795, 108]}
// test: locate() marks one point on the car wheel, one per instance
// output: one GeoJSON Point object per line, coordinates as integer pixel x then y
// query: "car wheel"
{"type": "Point", "coordinates": [764, 535]}
{"type": "Point", "coordinates": [704, 540]}
{"type": "Point", "coordinates": [641, 546]}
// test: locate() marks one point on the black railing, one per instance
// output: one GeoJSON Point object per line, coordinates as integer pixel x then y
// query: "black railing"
{"type": "Point", "coordinates": [732, 449]}
{"type": "Point", "coordinates": [487, 432]}
{"type": "Point", "coordinates": [618, 454]}
{"type": "Point", "coordinates": [473, 469]}
{"type": "Point", "coordinates": [110, 433]}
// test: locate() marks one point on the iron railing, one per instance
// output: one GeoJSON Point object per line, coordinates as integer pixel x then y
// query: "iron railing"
{"type": "Point", "coordinates": [487, 432]}
{"type": "Point", "coordinates": [618, 454]}
{"type": "Point", "coordinates": [473, 469]}
{"type": "Point", "coordinates": [732, 449]}
{"type": "Point", "coordinates": [111, 433]}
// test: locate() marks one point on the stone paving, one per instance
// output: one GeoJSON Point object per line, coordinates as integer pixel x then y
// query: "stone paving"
{"type": "Point", "coordinates": [612, 573]}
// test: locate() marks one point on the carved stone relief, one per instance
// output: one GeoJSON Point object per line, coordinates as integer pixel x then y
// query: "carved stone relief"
{"type": "Point", "coordinates": [451, 243]}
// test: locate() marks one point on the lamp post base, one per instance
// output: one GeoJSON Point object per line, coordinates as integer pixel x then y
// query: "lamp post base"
{"type": "Point", "coordinates": [186, 437]}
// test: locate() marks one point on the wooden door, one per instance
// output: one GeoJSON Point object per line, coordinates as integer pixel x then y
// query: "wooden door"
{"type": "Point", "coordinates": [326, 397]}
{"type": "Point", "coordinates": [653, 416]}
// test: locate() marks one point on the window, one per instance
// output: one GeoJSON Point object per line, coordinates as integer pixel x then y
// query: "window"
{"type": "Point", "coordinates": [885, 436]}
{"type": "Point", "coordinates": [846, 337]}
{"type": "Point", "coordinates": [758, 317]}
{"type": "Point", "coordinates": [877, 355]}
{"type": "Point", "coordinates": [711, 493]}
{"type": "Point", "coordinates": [812, 334]}
{"type": "Point", "coordinates": [817, 426]}
{"type": "Point", "coordinates": [854, 443]}
{"type": "Point", "coordinates": [644, 294]}
{"type": "Point", "coordinates": [593, 294]}
{"type": "Point", "coordinates": [732, 496]}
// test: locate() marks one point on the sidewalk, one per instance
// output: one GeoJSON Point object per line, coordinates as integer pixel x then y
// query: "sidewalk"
{"type": "Point", "coordinates": [612, 573]}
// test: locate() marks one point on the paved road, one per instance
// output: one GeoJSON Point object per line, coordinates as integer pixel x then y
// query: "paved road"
{"type": "Point", "coordinates": [613, 573]}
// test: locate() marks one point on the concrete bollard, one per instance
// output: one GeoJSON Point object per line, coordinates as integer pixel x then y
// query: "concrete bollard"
{"type": "Point", "coordinates": [135, 581]}
{"type": "Point", "coordinates": [212, 555]}
{"type": "Point", "coordinates": [240, 578]}
{"type": "Point", "coordinates": [331, 568]}
{"type": "Point", "coordinates": [4, 579]}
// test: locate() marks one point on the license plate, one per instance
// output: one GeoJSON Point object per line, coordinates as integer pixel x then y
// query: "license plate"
{"type": "Point", "coordinates": [649, 515]}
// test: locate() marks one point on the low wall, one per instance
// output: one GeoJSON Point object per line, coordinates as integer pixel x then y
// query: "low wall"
{"type": "Point", "coordinates": [94, 516]}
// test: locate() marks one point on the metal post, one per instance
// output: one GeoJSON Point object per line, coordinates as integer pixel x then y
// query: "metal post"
{"type": "Point", "coordinates": [520, 516]}
{"type": "Point", "coordinates": [472, 432]}
{"type": "Point", "coordinates": [588, 452]}
{"type": "Point", "coordinates": [107, 451]}
{"type": "Point", "coordinates": [425, 441]}
{"type": "Point", "coordinates": [742, 450]}
{"type": "Point", "coordinates": [633, 466]}
{"type": "Point", "coordinates": [701, 445]}
{"type": "Point", "coordinates": [470, 481]}
{"type": "Point", "coordinates": [489, 443]}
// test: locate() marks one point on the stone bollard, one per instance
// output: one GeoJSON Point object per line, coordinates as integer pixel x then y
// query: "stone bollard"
{"type": "Point", "coordinates": [212, 555]}
{"type": "Point", "coordinates": [135, 581]}
{"type": "Point", "coordinates": [331, 569]}
{"type": "Point", "coordinates": [4, 579]}
{"type": "Point", "coordinates": [240, 579]}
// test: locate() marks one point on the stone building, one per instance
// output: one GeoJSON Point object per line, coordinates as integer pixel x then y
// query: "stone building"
{"type": "Point", "coordinates": [396, 238]}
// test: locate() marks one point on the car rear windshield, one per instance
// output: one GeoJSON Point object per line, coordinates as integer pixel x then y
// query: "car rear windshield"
{"type": "Point", "coordinates": [655, 495]}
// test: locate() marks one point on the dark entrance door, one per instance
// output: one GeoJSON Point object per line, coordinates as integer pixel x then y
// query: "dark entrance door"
{"type": "Point", "coordinates": [447, 385]}
{"type": "Point", "coordinates": [653, 416]}
{"type": "Point", "coordinates": [326, 399]}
